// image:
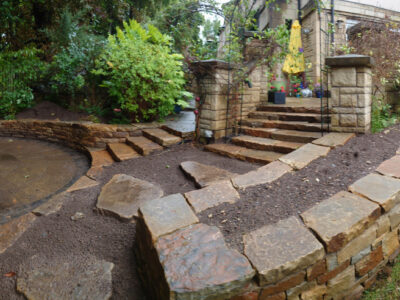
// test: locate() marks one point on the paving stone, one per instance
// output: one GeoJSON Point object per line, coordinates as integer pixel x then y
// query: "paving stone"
{"type": "Point", "coordinates": [357, 244]}
{"type": "Point", "coordinates": [342, 282]}
{"type": "Point", "coordinates": [266, 144]}
{"type": "Point", "coordinates": [198, 264]}
{"type": "Point", "coordinates": [121, 151]}
{"type": "Point", "coordinates": [295, 136]}
{"type": "Point", "coordinates": [334, 139]}
{"type": "Point", "coordinates": [390, 243]}
{"type": "Point", "coordinates": [143, 145]}
{"type": "Point", "coordinates": [390, 167]}
{"type": "Point", "coordinates": [67, 278]}
{"type": "Point", "coordinates": [82, 183]}
{"type": "Point", "coordinates": [369, 262]}
{"type": "Point", "coordinates": [161, 137]}
{"type": "Point", "coordinates": [204, 175]}
{"type": "Point", "coordinates": [53, 205]}
{"type": "Point", "coordinates": [11, 231]}
{"type": "Point", "coordinates": [301, 157]}
{"type": "Point", "coordinates": [381, 189]}
{"type": "Point", "coordinates": [166, 215]}
{"type": "Point", "coordinates": [284, 285]}
{"type": "Point", "coordinates": [340, 218]}
{"type": "Point", "coordinates": [94, 172]}
{"type": "Point", "coordinates": [101, 158]}
{"type": "Point", "coordinates": [212, 195]}
{"type": "Point", "coordinates": [281, 249]}
{"type": "Point", "coordinates": [263, 175]}
{"type": "Point", "coordinates": [124, 194]}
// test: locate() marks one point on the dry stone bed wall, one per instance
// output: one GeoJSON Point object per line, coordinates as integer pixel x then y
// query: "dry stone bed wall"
{"type": "Point", "coordinates": [332, 251]}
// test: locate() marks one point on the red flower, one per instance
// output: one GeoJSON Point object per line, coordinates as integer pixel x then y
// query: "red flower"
{"type": "Point", "coordinates": [117, 109]}
{"type": "Point", "coordinates": [197, 99]}
{"type": "Point", "coordinates": [272, 87]}
{"type": "Point", "coordinates": [196, 112]}
{"type": "Point", "coordinates": [295, 90]}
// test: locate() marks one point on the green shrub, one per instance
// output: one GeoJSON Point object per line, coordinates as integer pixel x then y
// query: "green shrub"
{"type": "Point", "coordinates": [382, 115]}
{"type": "Point", "coordinates": [142, 75]}
{"type": "Point", "coordinates": [19, 71]}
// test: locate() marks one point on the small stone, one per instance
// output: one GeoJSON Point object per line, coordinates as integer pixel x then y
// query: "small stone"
{"type": "Point", "coordinates": [341, 218]}
{"type": "Point", "coordinates": [303, 156]}
{"type": "Point", "coordinates": [356, 258]}
{"type": "Point", "coordinates": [67, 278]}
{"type": "Point", "coordinates": [315, 270]}
{"type": "Point", "coordinates": [315, 293]}
{"type": "Point", "coordinates": [83, 183]}
{"type": "Point", "coordinates": [78, 215]}
{"type": "Point", "coordinates": [283, 285]}
{"type": "Point", "coordinates": [334, 139]}
{"type": "Point", "coordinates": [123, 195]}
{"type": "Point", "coordinates": [381, 189]}
{"type": "Point", "coordinates": [212, 195]}
{"type": "Point", "coordinates": [390, 167]}
{"type": "Point", "coordinates": [204, 175]}
{"type": "Point", "coordinates": [294, 248]}
{"type": "Point", "coordinates": [394, 217]}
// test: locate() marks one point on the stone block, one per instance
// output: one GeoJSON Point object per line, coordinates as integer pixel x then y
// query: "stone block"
{"type": "Point", "coordinates": [390, 243]}
{"type": "Point", "coordinates": [342, 282]}
{"type": "Point", "coordinates": [331, 261]}
{"type": "Point", "coordinates": [198, 265]}
{"type": "Point", "coordinates": [390, 167]}
{"type": "Point", "coordinates": [348, 100]}
{"type": "Point", "coordinates": [281, 249]}
{"type": "Point", "coordinates": [364, 79]}
{"type": "Point", "coordinates": [369, 262]}
{"type": "Point", "coordinates": [383, 225]}
{"type": "Point", "coordinates": [335, 96]}
{"type": "Point", "coordinates": [166, 215]}
{"type": "Point", "coordinates": [304, 155]}
{"type": "Point", "coordinates": [334, 139]}
{"type": "Point", "coordinates": [316, 293]}
{"type": "Point", "coordinates": [355, 90]}
{"type": "Point", "coordinates": [212, 195]}
{"type": "Point", "coordinates": [295, 292]}
{"type": "Point", "coordinates": [246, 296]}
{"type": "Point", "coordinates": [364, 100]}
{"type": "Point", "coordinates": [364, 121]}
{"type": "Point", "coordinates": [283, 285]}
{"type": "Point", "coordinates": [356, 258]}
{"type": "Point", "coordinates": [340, 219]}
{"type": "Point", "coordinates": [348, 120]}
{"type": "Point", "coordinates": [394, 217]}
{"type": "Point", "coordinates": [335, 119]}
{"type": "Point", "coordinates": [333, 273]}
{"type": "Point", "coordinates": [383, 190]}
{"type": "Point", "coordinates": [344, 77]}
{"type": "Point", "coordinates": [280, 296]}
{"type": "Point", "coordinates": [315, 270]}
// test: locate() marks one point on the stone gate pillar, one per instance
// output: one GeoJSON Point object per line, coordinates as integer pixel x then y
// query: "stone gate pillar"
{"type": "Point", "coordinates": [351, 92]}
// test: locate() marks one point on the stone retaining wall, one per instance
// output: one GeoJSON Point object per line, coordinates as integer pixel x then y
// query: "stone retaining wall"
{"type": "Point", "coordinates": [332, 251]}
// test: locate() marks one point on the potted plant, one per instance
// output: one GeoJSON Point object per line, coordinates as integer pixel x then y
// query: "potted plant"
{"type": "Point", "coordinates": [271, 94]}
{"type": "Point", "coordinates": [280, 97]}
{"type": "Point", "coordinates": [318, 90]}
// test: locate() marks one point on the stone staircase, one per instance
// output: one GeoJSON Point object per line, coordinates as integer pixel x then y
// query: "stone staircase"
{"type": "Point", "coordinates": [274, 130]}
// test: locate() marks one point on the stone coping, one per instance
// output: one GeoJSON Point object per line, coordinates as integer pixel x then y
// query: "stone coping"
{"type": "Point", "coordinates": [334, 251]}
{"type": "Point", "coordinates": [350, 61]}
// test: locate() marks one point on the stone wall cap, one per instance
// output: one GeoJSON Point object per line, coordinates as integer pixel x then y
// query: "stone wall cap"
{"type": "Point", "coordinates": [213, 63]}
{"type": "Point", "coordinates": [350, 60]}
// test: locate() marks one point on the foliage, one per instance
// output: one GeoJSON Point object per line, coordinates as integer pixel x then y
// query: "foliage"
{"type": "Point", "coordinates": [382, 116]}
{"type": "Point", "coordinates": [19, 72]}
{"type": "Point", "coordinates": [140, 72]}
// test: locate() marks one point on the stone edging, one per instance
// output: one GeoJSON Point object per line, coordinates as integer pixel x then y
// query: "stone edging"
{"type": "Point", "coordinates": [334, 251]}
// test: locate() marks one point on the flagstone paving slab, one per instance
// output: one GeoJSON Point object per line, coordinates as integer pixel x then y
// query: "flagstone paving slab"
{"type": "Point", "coordinates": [262, 175]}
{"type": "Point", "coordinates": [198, 264]}
{"type": "Point", "coordinates": [381, 189]}
{"type": "Point", "coordinates": [101, 158]}
{"type": "Point", "coordinates": [143, 145]}
{"type": "Point", "coordinates": [53, 205]}
{"type": "Point", "coordinates": [167, 214]}
{"type": "Point", "coordinates": [340, 218]}
{"type": "Point", "coordinates": [301, 157]}
{"type": "Point", "coordinates": [390, 167]}
{"type": "Point", "coordinates": [281, 249]}
{"type": "Point", "coordinates": [121, 151]}
{"type": "Point", "coordinates": [83, 183]}
{"type": "Point", "coordinates": [204, 175]}
{"type": "Point", "coordinates": [10, 232]}
{"type": "Point", "coordinates": [68, 278]}
{"type": "Point", "coordinates": [334, 139]}
{"type": "Point", "coordinates": [161, 137]}
{"type": "Point", "coordinates": [212, 195]}
{"type": "Point", "coordinates": [124, 194]}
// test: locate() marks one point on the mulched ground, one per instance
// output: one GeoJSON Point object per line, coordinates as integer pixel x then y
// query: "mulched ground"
{"type": "Point", "coordinates": [104, 237]}
{"type": "Point", "coordinates": [295, 192]}
{"type": "Point", "coordinates": [50, 111]}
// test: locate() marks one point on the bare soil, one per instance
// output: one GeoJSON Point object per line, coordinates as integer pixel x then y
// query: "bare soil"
{"type": "Point", "coordinates": [50, 111]}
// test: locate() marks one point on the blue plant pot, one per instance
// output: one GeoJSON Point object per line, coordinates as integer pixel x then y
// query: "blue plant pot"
{"type": "Point", "coordinates": [177, 109]}
{"type": "Point", "coordinates": [280, 98]}
{"type": "Point", "coordinates": [318, 94]}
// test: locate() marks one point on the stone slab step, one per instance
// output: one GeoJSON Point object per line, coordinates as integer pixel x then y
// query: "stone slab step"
{"type": "Point", "coordinates": [143, 145]}
{"type": "Point", "coordinates": [265, 144]}
{"type": "Point", "coordinates": [161, 137]}
{"type": "Point", "coordinates": [186, 134]}
{"type": "Point", "coordinates": [294, 109]}
{"type": "Point", "coordinates": [288, 116]}
{"type": "Point", "coordinates": [290, 125]}
{"type": "Point", "coordinates": [121, 151]}
{"type": "Point", "coordinates": [242, 153]}
{"type": "Point", "coordinates": [295, 136]}
{"type": "Point", "coordinates": [258, 131]}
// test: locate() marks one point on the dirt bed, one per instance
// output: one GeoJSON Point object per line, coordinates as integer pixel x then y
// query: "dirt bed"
{"type": "Point", "coordinates": [295, 192]}
{"type": "Point", "coordinates": [102, 236]}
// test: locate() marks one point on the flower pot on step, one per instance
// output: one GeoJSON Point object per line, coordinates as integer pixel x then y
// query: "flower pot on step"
{"type": "Point", "coordinates": [280, 98]}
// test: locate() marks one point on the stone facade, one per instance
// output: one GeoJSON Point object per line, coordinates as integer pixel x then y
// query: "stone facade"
{"type": "Point", "coordinates": [351, 93]}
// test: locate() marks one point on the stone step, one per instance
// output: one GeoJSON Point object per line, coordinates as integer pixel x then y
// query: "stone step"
{"type": "Point", "coordinates": [243, 153]}
{"type": "Point", "coordinates": [161, 137]}
{"type": "Point", "coordinates": [294, 136]}
{"type": "Point", "coordinates": [184, 133]}
{"type": "Point", "coordinates": [291, 125]}
{"type": "Point", "coordinates": [265, 144]}
{"type": "Point", "coordinates": [294, 109]}
{"type": "Point", "coordinates": [121, 151]}
{"type": "Point", "coordinates": [143, 145]}
{"type": "Point", "coordinates": [288, 116]}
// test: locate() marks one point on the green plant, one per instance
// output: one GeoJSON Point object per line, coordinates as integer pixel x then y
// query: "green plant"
{"type": "Point", "coordinates": [19, 71]}
{"type": "Point", "coordinates": [140, 72]}
{"type": "Point", "coordinates": [382, 115]}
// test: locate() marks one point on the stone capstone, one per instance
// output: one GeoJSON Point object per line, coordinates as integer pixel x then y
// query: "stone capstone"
{"type": "Point", "coordinates": [303, 156]}
{"type": "Point", "coordinates": [204, 175]}
{"type": "Point", "coordinates": [124, 194]}
{"type": "Point", "coordinates": [281, 249]}
{"type": "Point", "coordinates": [166, 215]}
{"type": "Point", "coordinates": [381, 189]}
{"type": "Point", "coordinates": [67, 278]}
{"type": "Point", "coordinates": [341, 218]}
{"type": "Point", "coordinates": [198, 265]}
{"type": "Point", "coordinates": [390, 167]}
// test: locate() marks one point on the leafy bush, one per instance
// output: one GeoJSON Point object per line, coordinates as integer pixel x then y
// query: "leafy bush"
{"type": "Point", "coordinates": [140, 72]}
{"type": "Point", "coordinates": [18, 73]}
{"type": "Point", "coordinates": [382, 116]}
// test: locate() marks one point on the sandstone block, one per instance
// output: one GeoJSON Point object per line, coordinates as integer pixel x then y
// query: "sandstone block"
{"type": "Point", "coordinates": [315, 270]}
{"type": "Point", "coordinates": [383, 224]}
{"type": "Point", "coordinates": [280, 296]}
{"type": "Point", "coordinates": [364, 79]}
{"type": "Point", "coordinates": [335, 96]}
{"type": "Point", "coordinates": [295, 292]}
{"type": "Point", "coordinates": [348, 120]}
{"type": "Point", "coordinates": [369, 262]}
{"type": "Point", "coordinates": [390, 243]}
{"type": "Point", "coordinates": [390, 167]}
{"type": "Point", "coordinates": [315, 293]}
{"type": "Point", "coordinates": [364, 100]}
{"type": "Point", "coordinates": [342, 282]}
{"type": "Point", "coordinates": [331, 274]}
{"type": "Point", "coordinates": [348, 100]}
{"type": "Point", "coordinates": [344, 77]}
{"type": "Point", "coordinates": [381, 189]}
{"type": "Point", "coordinates": [82, 183]}
{"type": "Point", "coordinates": [331, 261]}
{"type": "Point", "coordinates": [394, 217]}
{"type": "Point", "coordinates": [283, 285]}
{"type": "Point", "coordinates": [356, 258]}
{"type": "Point", "coordinates": [334, 139]}
{"type": "Point", "coordinates": [303, 156]}
{"type": "Point", "coordinates": [281, 249]}
{"type": "Point", "coordinates": [340, 218]}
